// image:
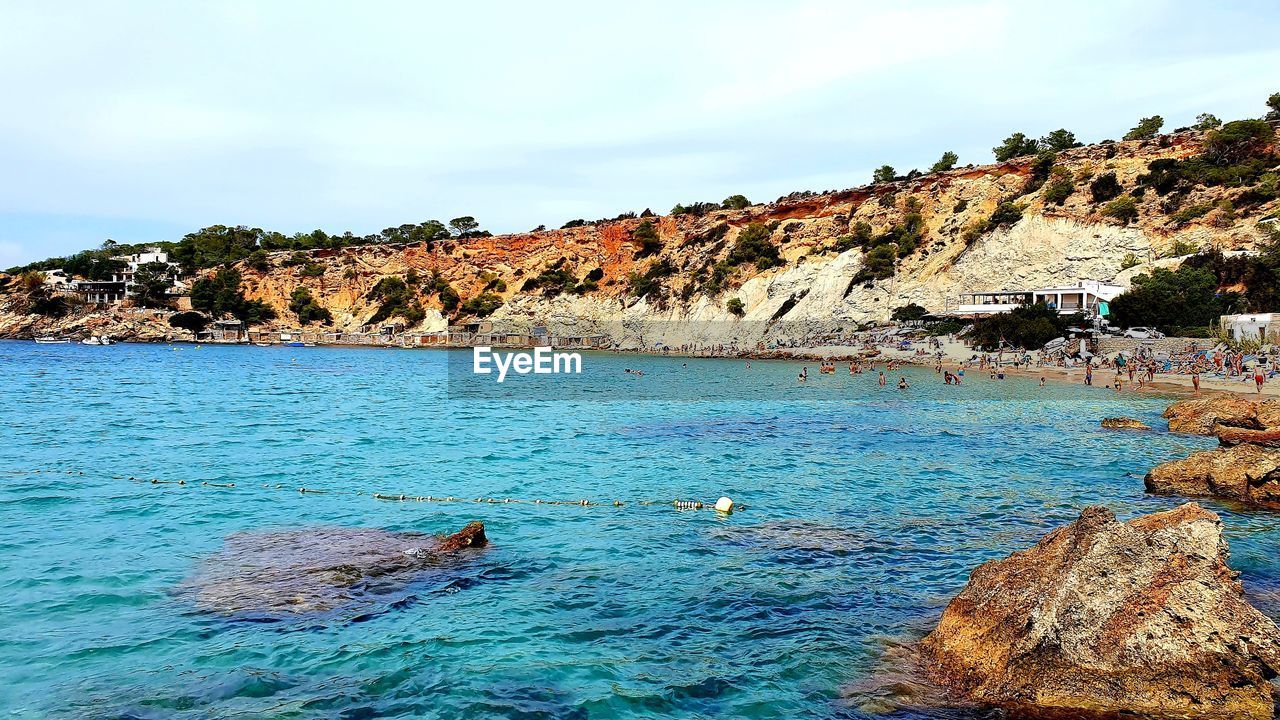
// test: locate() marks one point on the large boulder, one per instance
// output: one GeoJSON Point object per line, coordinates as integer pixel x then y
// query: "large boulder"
{"type": "Point", "coordinates": [1244, 473]}
{"type": "Point", "coordinates": [1201, 416]}
{"type": "Point", "coordinates": [282, 573]}
{"type": "Point", "coordinates": [1103, 616]}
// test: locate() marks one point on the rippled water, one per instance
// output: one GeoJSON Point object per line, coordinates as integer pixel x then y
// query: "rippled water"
{"type": "Point", "coordinates": [867, 508]}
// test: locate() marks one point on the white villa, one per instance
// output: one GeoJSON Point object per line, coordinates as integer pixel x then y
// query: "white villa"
{"type": "Point", "coordinates": [1086, 296]}
{"type": "Point", "coordinates": [121, 283]}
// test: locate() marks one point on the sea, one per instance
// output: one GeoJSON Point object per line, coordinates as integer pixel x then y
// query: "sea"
{"type": "Point", "coordinates": [862, 509]}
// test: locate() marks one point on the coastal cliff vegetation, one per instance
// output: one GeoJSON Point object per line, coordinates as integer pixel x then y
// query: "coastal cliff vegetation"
{"type": "Point", "coordinates": [1051, 208]}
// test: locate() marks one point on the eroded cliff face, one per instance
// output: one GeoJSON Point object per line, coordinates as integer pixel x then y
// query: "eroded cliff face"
{"type": "Point", "coordinates": [816, 289]}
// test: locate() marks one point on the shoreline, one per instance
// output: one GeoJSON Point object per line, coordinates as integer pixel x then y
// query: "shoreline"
{"type": "Point", "coordinates": [1172, 385]}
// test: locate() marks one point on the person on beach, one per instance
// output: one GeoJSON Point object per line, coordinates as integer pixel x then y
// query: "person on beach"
{"type": "Point", "coordinates": [1259, 375]}
{"type": "Point", "coordinates": [1119, 381]}
{"type": "Point", "coordinates": [1195, 378]}
{"type": "Point", "coordinates": [1088, 374]}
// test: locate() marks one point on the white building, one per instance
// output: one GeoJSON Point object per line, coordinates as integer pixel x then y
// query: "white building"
{"type": "Point", "coordinates": [1085, 296]}
{"type": "Point", "coordinates": [1250, 327]}
{"type": "Point", "coordinates": [117, 289]}
{"type": "Point", "coordinates": [137, 260]}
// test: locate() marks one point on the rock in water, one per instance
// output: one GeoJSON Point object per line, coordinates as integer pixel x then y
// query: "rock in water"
{"type": "Point", "coordinates": [1103, 616]}
{"type": "Point", "coordinates": [289, 572]}
{"type": "Point", "coordinates": [1124, 423]}
{"type": "Point", "coordinates": [1200, 417]}
{"type": "Point", "coordinates": [1245, 473]}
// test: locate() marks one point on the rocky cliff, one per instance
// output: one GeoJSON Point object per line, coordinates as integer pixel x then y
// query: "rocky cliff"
{"type": "Point", "coordinates": [596, 277]}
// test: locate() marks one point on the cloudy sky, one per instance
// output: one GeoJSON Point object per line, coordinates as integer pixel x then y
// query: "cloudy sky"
{"type": "Point", "coordinates": [141, 121]}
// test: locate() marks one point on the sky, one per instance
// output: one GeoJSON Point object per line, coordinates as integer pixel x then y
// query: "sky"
{"type": "Point", "coordinates": [142, 121]}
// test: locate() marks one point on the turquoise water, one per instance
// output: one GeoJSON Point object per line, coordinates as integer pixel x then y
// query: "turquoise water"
{"type": "Point", "coordinates": [867, 508]}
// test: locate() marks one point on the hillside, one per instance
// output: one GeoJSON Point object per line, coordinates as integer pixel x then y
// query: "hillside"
{"type": "Point", "coordinates": [812, 263]}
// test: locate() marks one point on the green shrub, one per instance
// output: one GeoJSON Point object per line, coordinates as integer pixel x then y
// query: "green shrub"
{"type": "Point", "coordinates": [735, 306]}
{"type": "Point", "coordinates": [1207, 121]}
{"type": "Point", "coordinates": [1191, 212]}
{"type": "Point", "coordinates": [1130, 260]}
{"type": "Point", "coordinates": [1123, 208]}
{"type": "Point", "coordinates": [1146, 128]}
{"type": "Point", "coordinates": [1061, 188]}
{"type": "Point", "coordinates": [754, 246]}
{"type": "Point", "coordinates": [1059, 140]}
{"type": "Point", "coordinates": [946, 162]}
{"type": "Point", "coordinates": [1016, 145]}
{"type": "Point", "coordinates": [646, 234]}
{"type": "Point", "coordinates": [1238, 141]}
{"type": "Point", "coordinates": [884, 174]}
{"type": "Point", "coordinates": [1105, 187]}
{"type": "Point", "coordinates": [877, 264]}
{"type": "Point", "coordinates": [736, 202]}
{"type": "Point", "coordinates": [908, 313]}
{"type": "Point", "coordinates": [650, 283]}
{"type": "Point", "coordinates": [1028, 327]}
{"type": "Point", "coordinates": [222, 295]}
{"type": "Point", "coordinates": [482, 305]}
{"type": "Point", "coordinates": [305, 307]}
{"type": "Point", "coordinates": [1006, 214]}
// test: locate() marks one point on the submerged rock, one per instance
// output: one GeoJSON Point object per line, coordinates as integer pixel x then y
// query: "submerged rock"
{"type": "Point", "coordinates": [1105, 616]}
{"type": "Point", "coordinates": [1124, 423]}
{"type": "Point", "coordinates": [1245, 473]}
{"type": "Point", "coordinates": [318, 569]}
{"type": "Point", "coordinates": [1203, 415]}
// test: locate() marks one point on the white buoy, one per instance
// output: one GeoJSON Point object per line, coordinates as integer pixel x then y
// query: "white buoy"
{"type": "Point", "coordinates": [724, 505]}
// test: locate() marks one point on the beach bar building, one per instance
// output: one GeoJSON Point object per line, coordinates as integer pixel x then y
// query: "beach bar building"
{"type": "Point", "coordinates": [1085, 296]}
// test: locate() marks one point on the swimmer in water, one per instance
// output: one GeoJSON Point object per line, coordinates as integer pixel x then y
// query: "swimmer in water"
{"type": "Point", "coordinates": [902, 384]}
{"type": "Point", "coordinates": [882, 379]}
{"type": "Point", "coordinates": [804, 374]}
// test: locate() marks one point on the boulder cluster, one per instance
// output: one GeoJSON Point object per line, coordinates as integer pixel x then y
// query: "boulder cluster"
{"type": "Point", "coordinates": [1245, 468]}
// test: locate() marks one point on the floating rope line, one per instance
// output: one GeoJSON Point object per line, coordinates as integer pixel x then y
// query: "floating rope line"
{"type": "Point", "coordinates": [677, 504]}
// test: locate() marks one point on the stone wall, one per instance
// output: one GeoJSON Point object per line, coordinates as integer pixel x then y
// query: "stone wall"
{"type": "Point", "coordinates": [1112, 345]}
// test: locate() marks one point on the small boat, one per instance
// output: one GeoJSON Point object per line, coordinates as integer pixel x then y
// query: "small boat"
{"type": "Point", "coordinates": [98, 340]}
{"type": "Point", "coordinates": [294, 344]}
{"type": "Point", "coordinates": [53, 341]}
{"type": "Point", "coordinates": [263, 344]}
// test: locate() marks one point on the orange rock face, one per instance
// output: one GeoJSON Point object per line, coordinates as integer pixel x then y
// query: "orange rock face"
{"type": "Point", "coordinates": [1103, 616]}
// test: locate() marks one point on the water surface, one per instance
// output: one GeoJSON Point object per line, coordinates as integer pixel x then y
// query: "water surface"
{"type": "Point", "coordinates": [867, 508]}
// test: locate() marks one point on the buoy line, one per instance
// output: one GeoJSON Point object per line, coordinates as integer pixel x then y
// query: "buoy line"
{"type": "Point", "coordinates": [723, 505]}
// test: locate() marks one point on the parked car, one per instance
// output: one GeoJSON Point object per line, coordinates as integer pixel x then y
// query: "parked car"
{"type": "Point", "coordinates": [1143, 333]}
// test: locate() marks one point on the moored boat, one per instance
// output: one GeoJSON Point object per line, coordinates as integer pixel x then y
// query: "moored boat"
{"type": "Point", "coordinates": [53, 341]}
